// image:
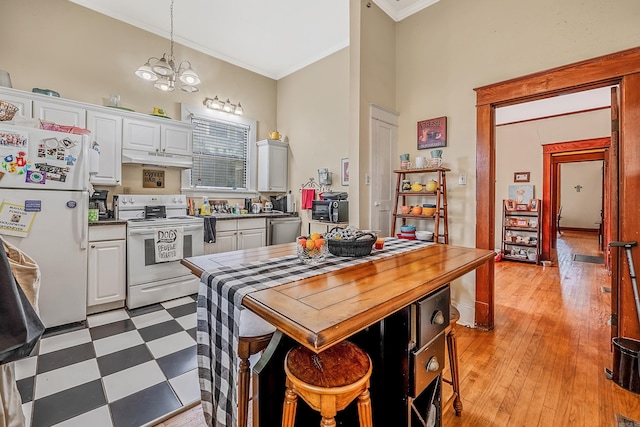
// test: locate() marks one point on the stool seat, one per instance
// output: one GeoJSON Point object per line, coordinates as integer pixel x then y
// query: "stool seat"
{"type": "Point", "coordinates": [337, 366]}
{"type": "Point", "coordinates": [328, 382]}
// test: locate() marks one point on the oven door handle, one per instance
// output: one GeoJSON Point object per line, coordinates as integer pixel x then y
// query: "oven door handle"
{"type": "Point", "coordinates": [137, 231]}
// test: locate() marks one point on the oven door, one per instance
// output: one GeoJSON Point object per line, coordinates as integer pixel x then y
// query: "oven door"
{"type": "Point", "coordinates": [141, 263]}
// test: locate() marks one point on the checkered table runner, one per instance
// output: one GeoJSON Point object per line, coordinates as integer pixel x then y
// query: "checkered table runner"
{"type": "Point", "coordinates": [219, 304]}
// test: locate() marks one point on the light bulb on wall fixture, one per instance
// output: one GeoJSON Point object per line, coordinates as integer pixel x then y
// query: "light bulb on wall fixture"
{"type": "Point", "coordinates": [227, 107]}
{"type": "Point", "coordinates": [164, 72]}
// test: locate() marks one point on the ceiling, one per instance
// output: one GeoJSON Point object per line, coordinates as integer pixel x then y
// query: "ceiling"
{"type": "Point", "coordinates": [270, 37]}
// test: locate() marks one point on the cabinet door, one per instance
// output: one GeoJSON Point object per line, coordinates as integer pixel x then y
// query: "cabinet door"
{"type": "Point", "coordinates": [107, 272]}
{"type": "Point", "coordinates": [272, 166]}
{"type": "Point", "coordinates": [225, 241]}
{"type": "Point", "coordinates": [60, 114]}
{"type": "Point", "coordinates": [140, 135]}
{"type": "Point", "coordinates": [106, 131]}
{"type": "Point", "coordinates": [176, 140]}
{"type": "Point", "coordinates": [253, 238]}
{"type": "Point", "coordinates": [25, 107]}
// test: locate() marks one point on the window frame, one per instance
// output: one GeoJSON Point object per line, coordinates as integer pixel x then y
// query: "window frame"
{"type": "Point", "coordinates": [186, 185]}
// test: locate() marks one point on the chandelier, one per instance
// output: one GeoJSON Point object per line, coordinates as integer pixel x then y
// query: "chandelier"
{"type": "Point", "coordinates": [164, 73]}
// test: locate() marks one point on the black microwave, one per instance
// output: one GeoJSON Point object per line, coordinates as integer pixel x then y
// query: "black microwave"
{"type": "Point", "coordinates": [330, 210]}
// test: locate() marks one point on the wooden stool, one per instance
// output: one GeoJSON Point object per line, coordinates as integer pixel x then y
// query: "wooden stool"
{"type": "Point", "coordinates": [452, 348]}
{"type": "Point", "coordinates": [328, 382]}
{"type": "Point", "coordinates": [255, 334]}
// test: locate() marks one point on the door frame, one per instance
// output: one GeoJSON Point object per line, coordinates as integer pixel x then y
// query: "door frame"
{"type": "Point", "coordinates": [622, 68]}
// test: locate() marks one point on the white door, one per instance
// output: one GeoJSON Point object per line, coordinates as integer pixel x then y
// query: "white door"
{"type": "Point", "coordinates": [384, 140]}
{"type": "Point", "coordinates": [107, 272]}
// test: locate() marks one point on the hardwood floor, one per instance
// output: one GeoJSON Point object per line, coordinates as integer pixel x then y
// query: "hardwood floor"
{"type": "Point", "coordinates": [543, 365]}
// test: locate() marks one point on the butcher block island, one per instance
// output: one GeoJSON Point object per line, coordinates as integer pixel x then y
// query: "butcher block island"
{"type": "Point", "coordinates": [386, 303]}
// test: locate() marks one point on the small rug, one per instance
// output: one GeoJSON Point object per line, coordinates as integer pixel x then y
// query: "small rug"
{"type": "Point", "coordinates": [588, 258]}
{"type": "Point", "coordinates": [626, 422]}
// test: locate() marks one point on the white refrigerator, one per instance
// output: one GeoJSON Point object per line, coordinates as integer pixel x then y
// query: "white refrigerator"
{"type": "Point", "coordinates": [44, 200]}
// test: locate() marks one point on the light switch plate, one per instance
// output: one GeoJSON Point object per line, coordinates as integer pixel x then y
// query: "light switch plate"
{"type": "Point", "coordinates": [462, 179]}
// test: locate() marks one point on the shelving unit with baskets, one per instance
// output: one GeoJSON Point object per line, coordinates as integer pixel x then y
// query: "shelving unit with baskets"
{"type": "Point", "coordinates": [521, 234]}
{"type": "Point", "coordinates": [439, 197]}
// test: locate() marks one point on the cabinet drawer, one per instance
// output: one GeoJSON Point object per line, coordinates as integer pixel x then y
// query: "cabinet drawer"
{"type": "Point", "coordinates": [107, 232]}
{"type": "Point", "coordinates": [432, 316]}
{"type": "Point", "coordinates": [226, 225]}
{"type": "Point", "coordinates": [246, 224]}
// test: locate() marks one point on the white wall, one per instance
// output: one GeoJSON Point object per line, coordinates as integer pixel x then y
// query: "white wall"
{"type": "Point", "coordinates": [581, 207]}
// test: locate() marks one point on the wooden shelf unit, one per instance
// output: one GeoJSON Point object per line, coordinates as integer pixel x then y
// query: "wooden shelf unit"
{"type": "Point", "coordinates": [440, 218]}
{"type": "Point", "coordinates": [513, 250]}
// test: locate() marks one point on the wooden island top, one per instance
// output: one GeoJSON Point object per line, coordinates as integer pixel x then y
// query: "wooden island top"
{"type": "Point", "coordinates": [323, 310]}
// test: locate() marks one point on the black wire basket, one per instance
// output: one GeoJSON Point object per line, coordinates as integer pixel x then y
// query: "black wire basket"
{"type": "Point", "coordinates": [355, 247]}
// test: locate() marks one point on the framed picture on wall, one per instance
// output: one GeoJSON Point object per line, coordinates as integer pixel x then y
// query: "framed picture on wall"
{"type": "Point", "coordinates": [344, 172]}
{"type": "Point", "coordinates": [521, 176]}
{"type": "Point", "coordinates": [432, 133]}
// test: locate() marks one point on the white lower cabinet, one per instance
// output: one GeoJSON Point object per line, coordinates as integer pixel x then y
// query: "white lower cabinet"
{"type": "Point", "coordinates": [107, 279]}
{"type": "Point", "coordinates": [234, 234]}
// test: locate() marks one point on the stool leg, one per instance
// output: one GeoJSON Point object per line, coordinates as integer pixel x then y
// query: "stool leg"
{"type": "Point", "coordinates": [289, 408]}
{"type": "Point", "coordinates": [364, 409]}
{"type": "Point", "coordinates": [455, 376]}
{"type": "Point", "coordinates": [243, 392]}
{"type": "Point", "coordinates": [328, 422]}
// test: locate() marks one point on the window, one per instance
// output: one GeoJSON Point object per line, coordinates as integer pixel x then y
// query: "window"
{"type": "Point", "coordinates": [223, 152]}
{"type": "Point", "coordinates": [219, 154]}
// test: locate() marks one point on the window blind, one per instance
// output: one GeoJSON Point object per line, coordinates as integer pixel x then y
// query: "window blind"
{"type": "Point", "coordinates": [219, 153]}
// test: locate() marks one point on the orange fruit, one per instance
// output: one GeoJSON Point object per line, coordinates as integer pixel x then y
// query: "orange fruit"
{"type": "Point", "coordinates": [319, 243]}
{"type": "Point", "coordinates": [303, 242]}
{"type": "Point", "coordinates": [315, 236]}
{"type": "Point", "coordinates": [310, 244]}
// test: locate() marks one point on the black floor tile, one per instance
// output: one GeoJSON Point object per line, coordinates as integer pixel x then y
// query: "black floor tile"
{"type": "Point", "coordinates": [110, 329]}
{"type": "Point", "coordinates": [123, 359]}
{"type": "Point", "coordinates": [178, 363]}
{"type": "Point", "coordinates": [144, 310]}
{"type": "Point", "coordinates": [65, 357]}
{"type": "Point", "coordinates": [144, 406]}
{"type": "Point", "coordinates": [160, 330]}
{"type": "Point", "coordinates": [63, 329]}
{"type": "Point", "coordinates": [182, 310]}
{"type": "Point", "coordinates": [25, 387]}
{"type": "Point", "coordinates": [68, 404]}
{"type": "Point", "coordinates": [193, 332]}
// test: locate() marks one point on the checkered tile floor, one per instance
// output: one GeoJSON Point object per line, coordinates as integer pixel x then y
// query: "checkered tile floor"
{"type": "Point", "coordinates": [125, 369]}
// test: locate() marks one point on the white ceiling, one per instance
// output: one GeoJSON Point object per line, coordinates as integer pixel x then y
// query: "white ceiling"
{"type": "Point", "coordinates": [270, 37]}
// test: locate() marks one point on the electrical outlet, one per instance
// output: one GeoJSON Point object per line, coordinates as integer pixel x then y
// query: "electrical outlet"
{"type": "Point", "coordinates": [367, 179]}
{"type": "Point", "coordinates": [462, 179]}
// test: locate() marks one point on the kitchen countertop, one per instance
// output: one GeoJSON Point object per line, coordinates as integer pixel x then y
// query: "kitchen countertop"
{"type": "Point", "coordinates": [223, 216]}
{"type": "Point", "coordinates": [110, 221]}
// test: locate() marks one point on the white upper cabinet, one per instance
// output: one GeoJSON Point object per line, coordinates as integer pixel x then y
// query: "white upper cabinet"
{"type": "Point", "coordinates": [141, 135]}
{"type": "Point", "coordinates": [60, 113]}
{"type": "Point", "coordinates": [24, 104]}
{"type": "Point", "coordinates": [176, 140]}
{"type": "Point", "coordinates": [106, 131]}
{"type": "Point", "coordinates": [273, 163]}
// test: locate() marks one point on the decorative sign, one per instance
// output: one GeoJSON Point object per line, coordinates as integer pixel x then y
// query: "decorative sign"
{"type": "Point", "coordinates": [33, 205]}
{"type": "Point", "coordinates": [152, 178]}
{"type": "Point", "coordinates": [432, 133]}
{"type": "Point", "coordinates": [15, 220]}
{"type": "Point", "coordinates": [168, 243]}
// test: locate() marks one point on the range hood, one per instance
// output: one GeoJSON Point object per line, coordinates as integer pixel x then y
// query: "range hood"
{"type": "Point", "coordinates": [142, 157]}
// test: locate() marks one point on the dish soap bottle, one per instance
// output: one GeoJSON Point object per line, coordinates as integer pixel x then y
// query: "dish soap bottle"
{"type": "Point", "coordinates": [205, 209]}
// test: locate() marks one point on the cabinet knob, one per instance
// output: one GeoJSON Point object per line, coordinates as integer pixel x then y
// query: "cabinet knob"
{"type": "Point", "coordinates": [438, 318]}
{"type": "Point", "coordinates": [433, 365]}
{"type": "Point", "coordinates": [93, 246]}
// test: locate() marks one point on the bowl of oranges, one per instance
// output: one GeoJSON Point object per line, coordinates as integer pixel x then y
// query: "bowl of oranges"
{"type": "Point", "coordinates": [311, 249]}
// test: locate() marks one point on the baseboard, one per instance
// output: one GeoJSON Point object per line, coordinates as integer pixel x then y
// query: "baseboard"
{"type": "Point", "coordinates": [584, 230]}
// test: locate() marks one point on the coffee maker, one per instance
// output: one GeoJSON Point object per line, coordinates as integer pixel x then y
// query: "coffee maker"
{"type": "Point", "coordinates": [99, 199]}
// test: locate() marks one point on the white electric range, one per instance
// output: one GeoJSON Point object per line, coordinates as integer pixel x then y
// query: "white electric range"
{"type": "Point", "coordinates": [150, 277]}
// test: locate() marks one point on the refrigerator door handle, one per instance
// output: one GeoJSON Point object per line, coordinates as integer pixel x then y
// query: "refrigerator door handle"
{"type": "Point", "coordinates": [84, 225]}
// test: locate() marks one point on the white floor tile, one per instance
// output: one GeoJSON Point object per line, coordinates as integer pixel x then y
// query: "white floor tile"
{"type": "Point", "coordinates": [151, 319]}
{"type": "Point", "coordinates": [117, 342]}
{"type": "Point", "coordinates": [100, 417]}
{"type": "Point", "coordinates": [25, 368]}
{"type": "Point", "coordinates": [66, 340]}
{"type": "Point", "coordinates": [176, 302]}
{"type": "Point", "coordinates": [26, 410]}
{"type": "Point", "coordinates": [170, 344]}
{"type": "Point", "coordinates": [70, 376]}
{"type": "Point", "coordinates": [186, 387]}
{"type": "Point", "coordinates": [189, 321]}
{"type": "Point", "coordinates": [106, 317]}
{"type": "Point", "coordinates": [132, 380]}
